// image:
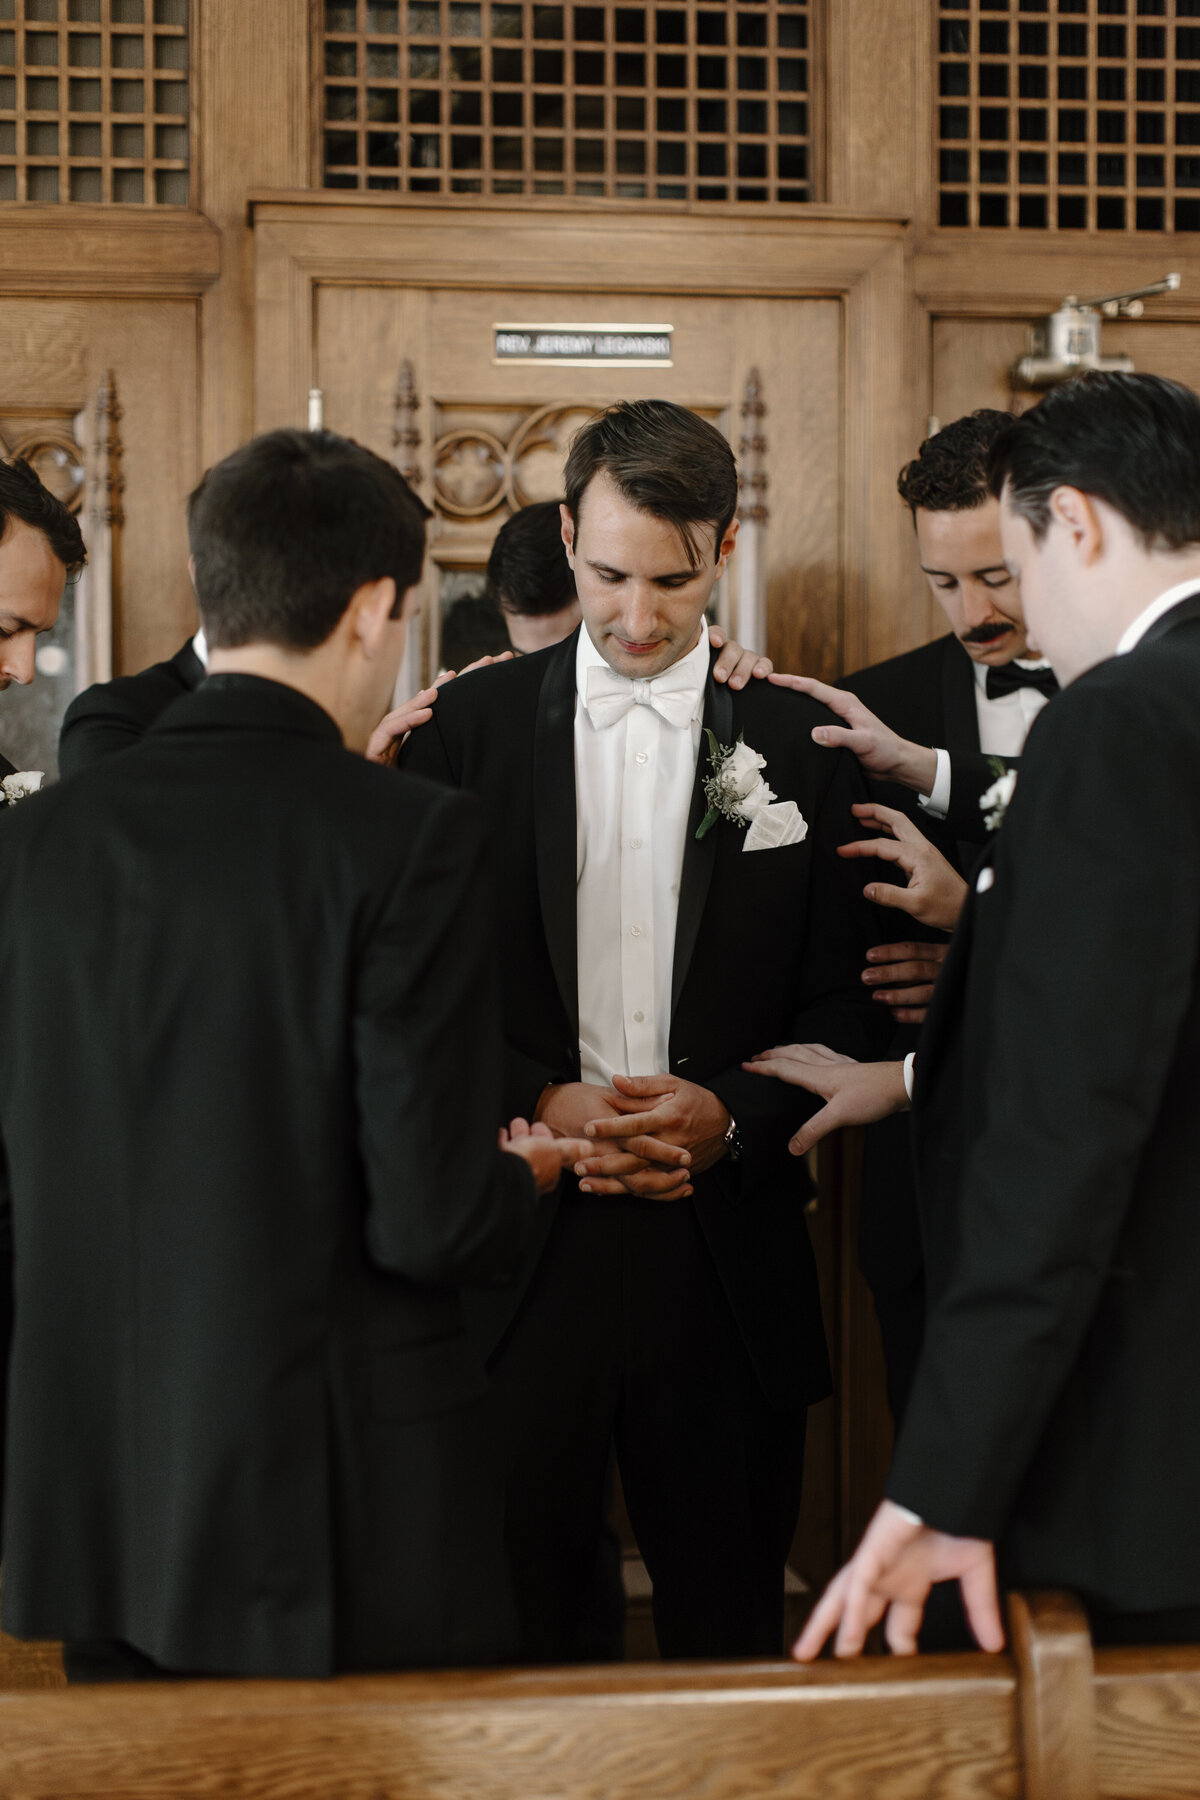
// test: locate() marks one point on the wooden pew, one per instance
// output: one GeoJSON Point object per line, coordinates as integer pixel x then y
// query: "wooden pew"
{"type": "Point", "coordinates": [1042, 1722]}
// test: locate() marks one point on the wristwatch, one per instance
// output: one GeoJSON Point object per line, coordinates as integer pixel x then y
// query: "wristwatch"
{"type": "Point", "coordinates": [733, 1142]}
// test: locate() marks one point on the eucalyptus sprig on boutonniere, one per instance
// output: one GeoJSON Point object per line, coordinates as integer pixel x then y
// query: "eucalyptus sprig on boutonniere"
{"type": "Point", "coordinates": [995, 803]}
{"type": "Point", "coordinates": [736, 790]}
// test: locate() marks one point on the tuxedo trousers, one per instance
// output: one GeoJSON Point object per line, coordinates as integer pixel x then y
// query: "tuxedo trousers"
{"type": "Point", "coordinates": [625, 1340]}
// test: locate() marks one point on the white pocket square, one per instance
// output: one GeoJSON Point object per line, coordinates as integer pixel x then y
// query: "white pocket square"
{"type": "Point", "coordinates": [984, 880]}
{"type": "Point", "coordinates": [774, 826]}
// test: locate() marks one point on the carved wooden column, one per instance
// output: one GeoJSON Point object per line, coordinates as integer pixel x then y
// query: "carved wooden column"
{"type": "Point", "coordinates": [752, 555]}
{"type": "Point", "coordinates": [102, 518]}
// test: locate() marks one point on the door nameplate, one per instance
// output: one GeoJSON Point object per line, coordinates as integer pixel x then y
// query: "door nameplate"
{"type": "Point", "coordinates": [584, 346]}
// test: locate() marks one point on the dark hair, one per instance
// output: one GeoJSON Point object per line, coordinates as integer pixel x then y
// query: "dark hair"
{"type": "Point", "coordinates": [665, 460]}
{"type": "Point", "coordinates": [287, 528]}
{"type": "Point", "coordinates": [472, 626]}
{"type": "Point", "coordinates": [528, 571]}
{"type": "Point", "coordinates": [1130, 440]}
{"type": "Point", "coordinates": [23, 496]}
{"type": "Point", "coordinates": [949, 471]}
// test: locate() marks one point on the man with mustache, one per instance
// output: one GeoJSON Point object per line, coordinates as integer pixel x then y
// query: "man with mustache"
{"type": "Point", "coordinates": [938, 717]}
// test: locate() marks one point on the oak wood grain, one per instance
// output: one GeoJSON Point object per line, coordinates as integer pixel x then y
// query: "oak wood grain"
{"type": "Point", "coordinates": [1055, 1705]}
{"type": "Point", "coordinates": [829, 1732]}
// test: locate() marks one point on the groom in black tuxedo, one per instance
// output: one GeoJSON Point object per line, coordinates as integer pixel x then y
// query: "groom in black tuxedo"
{"type": "Point", "coordinates": [249, 1090]}
{"type": "Point", "coordinates": [1051, 1433]}
{"type": "Point", "coordinates": [669, 1301]}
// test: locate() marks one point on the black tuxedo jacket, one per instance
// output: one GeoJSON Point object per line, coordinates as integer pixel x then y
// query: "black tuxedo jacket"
{"type": "Point", "coordinates": [114, 715]}
{"type": "Point", "coordinates": [768, 949]}
{"type": "Point", "coordinates": [248, 1092]}
{"type": "Point", "coordinates": [6, 768]}
{"type": "Point", "coordinates": [1058, 1148]}
{"type": "Point", "coordinates": [928, 696]}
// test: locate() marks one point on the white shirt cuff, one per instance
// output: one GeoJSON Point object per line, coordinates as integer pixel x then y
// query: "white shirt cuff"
{"type": "Point", "coordinates": [937, 802]}
{"type": "Point", "coordinates": [909, 1517]}
{"type": "Point", "coordinates": [909, 1061]}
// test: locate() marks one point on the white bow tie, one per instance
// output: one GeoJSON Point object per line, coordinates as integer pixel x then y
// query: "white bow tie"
{"type": "Point", "coordinates": [674, 695]}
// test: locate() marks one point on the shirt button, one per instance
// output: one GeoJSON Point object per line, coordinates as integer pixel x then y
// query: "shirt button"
{"type": "Point", "coordinates": [635, 931]}
{"type": "Point", "coordinates": [639, 1018]}
{"type": "Point", "coordinates": [641, 757]}
{"type": "Point", "coordinates": [635, 843]}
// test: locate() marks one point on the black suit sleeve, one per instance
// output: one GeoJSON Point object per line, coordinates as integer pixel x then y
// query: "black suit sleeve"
{"type": "Point", "coordinates": [835, 1009]}
{"type": "Point", "coordinates": [1069, 1039]}
{"type": "Point", "coordinates": [971, 775]}
{"type": "Point", "coordinates": [426, 752]}
{"type": "Point", "coordinates": [445, 1205]}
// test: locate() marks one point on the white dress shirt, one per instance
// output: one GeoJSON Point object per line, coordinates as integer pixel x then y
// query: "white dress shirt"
{"type": "Point", "coordinates": [1133, 634]}
{"type": "Point", "coordinates": [1003, 727]}
{"type": "Point", "coordinates": [633, 787]}
{"type": "Point", "coordinates": [200, 646]}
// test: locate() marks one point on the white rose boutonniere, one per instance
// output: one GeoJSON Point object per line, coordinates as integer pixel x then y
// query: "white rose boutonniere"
{"type": "Point", "coordinates": [20, 786]}
{"type": "Point", "coordinates": [995, 803]}
{"type": "Point", "coordinates": [736, 790]}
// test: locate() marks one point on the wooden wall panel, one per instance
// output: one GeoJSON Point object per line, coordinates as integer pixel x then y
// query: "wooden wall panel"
{"type": "Point", "coordinates": [53, 353]}
{"type": "Point", "coordinates": [972, 357]}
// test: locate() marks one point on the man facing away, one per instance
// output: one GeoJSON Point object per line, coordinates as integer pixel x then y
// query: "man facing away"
{"type": "Point", "coordinates": [249, 1093]}
{"type": "Point", "coordinates": [669, 1301]}
{"type": "Point", "coordinates": [1051, 1431]}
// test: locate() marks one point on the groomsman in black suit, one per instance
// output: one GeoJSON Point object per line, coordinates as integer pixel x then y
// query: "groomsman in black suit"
{"type": "Point", "coordinates": [249, 1091]}
{"type": "Point", "coordinates": [669, 1303]}
{"type": "Point", "coordinates": [40, 546]}
{"type": "Point", "coordinates": [114, 715]}
{"type": "Point", "coordinates": [1051, 1431]}
{"type": "Point", "coordinates": [941, 713]}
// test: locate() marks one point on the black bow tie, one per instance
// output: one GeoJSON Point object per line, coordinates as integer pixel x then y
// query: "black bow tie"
{"type": "Point", "coordinates": [1008, 678]}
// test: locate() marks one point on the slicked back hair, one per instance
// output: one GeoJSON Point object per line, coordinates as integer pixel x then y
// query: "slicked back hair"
{"type": "Point", "coordinates": [1130, 440]}
{"type": "Point", "coordinates": [25, 497]}
{"type": "Point", "coordinates": [664, 460]}
{"type": "Point", "coordinates": [949, 471]}
{"type": "Point", "coordinates": [289, 527]}
{"type": "Point", "coordinates": [528, 571]}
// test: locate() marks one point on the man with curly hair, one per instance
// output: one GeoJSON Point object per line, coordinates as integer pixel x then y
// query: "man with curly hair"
{"type": "Point", "coordinates": [40, 545]}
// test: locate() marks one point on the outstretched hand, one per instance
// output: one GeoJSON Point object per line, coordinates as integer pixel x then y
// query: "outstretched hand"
{"type": "Point", "coordinates": [854, 1093]}
{"type": "Point", "coordinates": [394, 727]}
{"type": "Point", "coordinates": [546, 1154]}
{"type": "Point", "coordinates": [892, 1572]}
{"type": "Point", "coordinates": [735, 665]}
{"type": "Point", "coordinates": [903, 976]}
{"type": "Point", "coordinates": [936, 892]}
{"type": "Point", "coordinates": [879, 749]}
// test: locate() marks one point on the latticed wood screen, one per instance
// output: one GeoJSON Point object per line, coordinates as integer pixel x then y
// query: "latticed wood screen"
{"type": "Point", "coordinates": [1073, 115]}
{"type": "Point", "coordinates": [676, 101]}
{"type": "Point", "coordinates": [94, 101]}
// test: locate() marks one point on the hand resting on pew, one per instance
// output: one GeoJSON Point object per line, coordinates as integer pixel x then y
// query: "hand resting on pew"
{"type": "Point", "coordinates": [892, 1572]}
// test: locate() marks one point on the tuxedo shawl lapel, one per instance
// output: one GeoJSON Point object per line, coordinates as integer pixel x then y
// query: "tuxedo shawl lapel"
{"type": "Point", "coordinates": [958, 699]}
{"type": "Point", "coordinates": [1188, 608]}
{"type": "Point", "coordinates": [699, 855]}
{"type": "Point", "coordinates": [554, 820]}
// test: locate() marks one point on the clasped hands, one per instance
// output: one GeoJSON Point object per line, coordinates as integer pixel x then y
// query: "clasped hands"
{"type": "Point", "coordinates": [649, 1134]}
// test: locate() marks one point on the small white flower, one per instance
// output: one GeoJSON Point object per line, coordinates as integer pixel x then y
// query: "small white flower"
{"type": "Point", "coordinates": [995, 803]}
{"type": "Point", "coordinates": [21, 785]}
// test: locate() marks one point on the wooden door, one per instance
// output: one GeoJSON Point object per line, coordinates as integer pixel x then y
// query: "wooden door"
{"type": "Point", "coordinates": [493, 436]}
